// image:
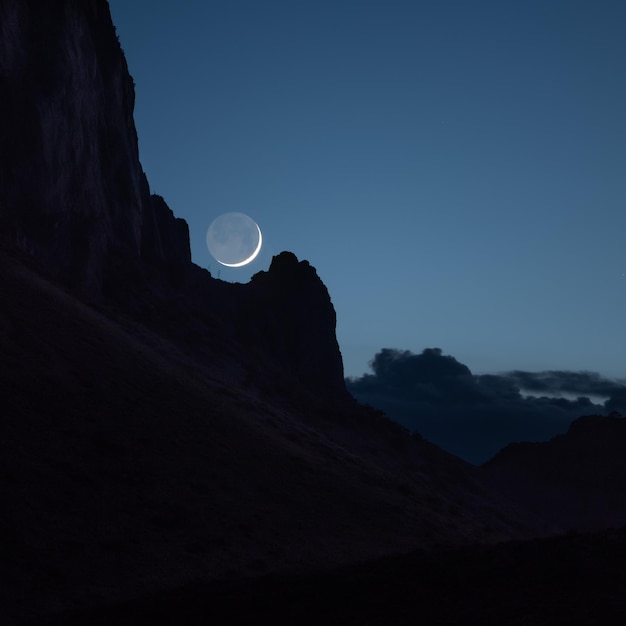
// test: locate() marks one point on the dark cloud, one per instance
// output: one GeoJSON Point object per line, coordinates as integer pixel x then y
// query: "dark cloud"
{"type": "Point", "coordinates": [475, 416]}
{"type": "Point", "coordinates": [430, 376]}
{"type": "Point", "coordinates": [559, 381]}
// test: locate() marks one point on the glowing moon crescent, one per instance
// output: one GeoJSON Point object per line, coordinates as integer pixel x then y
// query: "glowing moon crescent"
{"type": "Point", "coordinates": [251, 257]}
{"type": "Point", "coordinates": [234, 239]}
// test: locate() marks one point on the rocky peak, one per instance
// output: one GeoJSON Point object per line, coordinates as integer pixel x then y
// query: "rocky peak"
{"type": "Point", "coordinates": [298, 312]}
{"type": "Point", "coordinates": [73, 196]}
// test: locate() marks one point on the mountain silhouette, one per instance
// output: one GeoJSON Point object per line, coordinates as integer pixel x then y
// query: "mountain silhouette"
{"type": "Point", "coordinates": [160, 429]}
{"type": "Point", "coordinates": [576, 479]}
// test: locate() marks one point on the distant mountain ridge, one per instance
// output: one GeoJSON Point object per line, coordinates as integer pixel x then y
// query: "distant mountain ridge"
{"type": "Point", "coordinates": [577, 479]}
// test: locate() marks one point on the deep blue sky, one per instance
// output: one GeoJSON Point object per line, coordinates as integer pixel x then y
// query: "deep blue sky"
{"type": "Point", "coordinates": [455, 170]}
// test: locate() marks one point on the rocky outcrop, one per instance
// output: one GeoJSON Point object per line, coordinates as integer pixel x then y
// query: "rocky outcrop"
{"type": "Point", "coordinates": [295, 311]}
{"type": "Point", "coordinates": [72, 190]}
{"type": "Point", "coordinates": [74, 197]}
{"type": "Point", "coordinates": [576, 479]}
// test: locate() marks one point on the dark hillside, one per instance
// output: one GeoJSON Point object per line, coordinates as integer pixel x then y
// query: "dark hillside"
{"type": "Point", "coordinates": [577, 479]}
{"type": "Point", "coordinates": [128, 467]}
{"type": "Point", "coordinates": [576, 580]}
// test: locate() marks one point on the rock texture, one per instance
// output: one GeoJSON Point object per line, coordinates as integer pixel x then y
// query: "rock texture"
{"type": "Point", "coordinates": [72, 190]}
{"type": "Point", "coordinates": [72, 193]}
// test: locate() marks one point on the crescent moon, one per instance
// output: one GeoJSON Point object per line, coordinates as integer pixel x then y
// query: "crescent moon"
{"type": "Point", "coordinates": [231, 239]}
{"type": "Point", "coordinates": [251, 257]}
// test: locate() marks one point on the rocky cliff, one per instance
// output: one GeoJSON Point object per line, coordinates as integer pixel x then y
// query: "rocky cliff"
{"type": "Point", "coordinates": [299, 319]}
{"type": "Point", "coordinates": [74, 197]}
{"type": "Point", "coordinates": [72, 190]}
{"type": "Point", "coordinates": [72, 193]}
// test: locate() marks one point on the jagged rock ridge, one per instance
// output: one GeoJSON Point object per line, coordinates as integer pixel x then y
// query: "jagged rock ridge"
{"type": "Point", "coordinates": [73, 196]}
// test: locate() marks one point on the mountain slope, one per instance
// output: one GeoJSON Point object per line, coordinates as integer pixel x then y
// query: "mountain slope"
{"type": "Point", "coordinates": [576, 580]}
{"type": "Point", "coordinates": [576, 479]}
{"type": "Point", "coordinates": [128, 467]}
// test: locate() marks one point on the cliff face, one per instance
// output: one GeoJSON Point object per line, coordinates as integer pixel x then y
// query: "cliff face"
{"type": "Point", "coordinates": [73, 191]}
{"type": "Point", "coordinates": [300, 320]}
{"type": "Point", "coordinates": [74, 197]}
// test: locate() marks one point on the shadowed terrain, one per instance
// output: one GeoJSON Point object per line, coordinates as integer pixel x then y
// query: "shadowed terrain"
{"type": "Point", "coordinates": [174, 448]}
{"type": "Point", "coordinates": [127, 467]}
{"type": "Point", "coordinates": [576, 580]}
{"type": "Point", "coordinates": [576, 479]}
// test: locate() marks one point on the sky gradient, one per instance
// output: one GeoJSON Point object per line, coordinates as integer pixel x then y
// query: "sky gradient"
{"type": "Point", "coordinates": [455, 171]}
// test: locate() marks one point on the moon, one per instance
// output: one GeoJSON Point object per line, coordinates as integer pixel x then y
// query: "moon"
{"type": "Point", "coordinates": [234, 239]}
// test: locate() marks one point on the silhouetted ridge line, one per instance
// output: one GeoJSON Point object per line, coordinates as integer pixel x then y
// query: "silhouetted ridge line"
{"type": "Point", "coordinates": [576, 479]}
{"type": "Point", "coordinates": [74, 197]}
{"type": "Point", "coordinates": [159, 428]}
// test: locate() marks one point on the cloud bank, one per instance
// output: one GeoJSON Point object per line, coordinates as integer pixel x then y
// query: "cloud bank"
{"type": "Point", "coordinates": [474, 416]}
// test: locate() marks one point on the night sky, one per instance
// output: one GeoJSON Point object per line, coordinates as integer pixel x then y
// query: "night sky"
{"type": "Point", "coordinates": [454, 170]}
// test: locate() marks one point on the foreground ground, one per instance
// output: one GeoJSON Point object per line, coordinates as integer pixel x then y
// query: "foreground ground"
{"type": "Point", "coordinates": [573, 579]}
